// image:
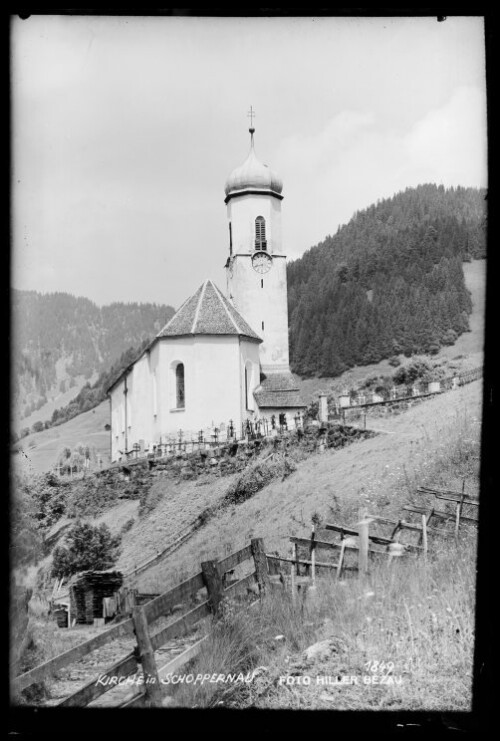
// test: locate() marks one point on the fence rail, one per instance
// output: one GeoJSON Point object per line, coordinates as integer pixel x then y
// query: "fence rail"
{"type": "Point", "coordinates": [354, 399]}
{"type": "Point", "coordinates": [211, 579]}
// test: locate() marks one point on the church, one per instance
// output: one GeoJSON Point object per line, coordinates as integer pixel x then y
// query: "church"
{"type": "Point", "coordinates": [222, 359]}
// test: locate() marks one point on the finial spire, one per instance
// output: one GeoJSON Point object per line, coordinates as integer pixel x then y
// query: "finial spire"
{"type": "Point", "coordinates": [251, 113]}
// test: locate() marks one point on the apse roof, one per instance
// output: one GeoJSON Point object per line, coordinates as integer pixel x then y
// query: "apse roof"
{"type": "Point", "coordinates": [207, 312]}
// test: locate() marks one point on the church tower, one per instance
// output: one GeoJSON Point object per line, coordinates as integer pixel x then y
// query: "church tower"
{"type": "Point", "coordinates": [256, 266]}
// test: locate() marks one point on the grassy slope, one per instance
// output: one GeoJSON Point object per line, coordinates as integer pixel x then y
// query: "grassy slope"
{"type": "Point", "coordinates": [377, 473]}
{"type": "Point", "coordinates": [41, 449]}
{"type": "Point", "coordinates": [56, 400]}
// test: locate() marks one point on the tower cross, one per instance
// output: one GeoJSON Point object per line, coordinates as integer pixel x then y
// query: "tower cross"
{"type": "Point", "coordinates": [251, 113]}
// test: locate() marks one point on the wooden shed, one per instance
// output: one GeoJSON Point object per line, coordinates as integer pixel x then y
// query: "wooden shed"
{"type": "Point", "coordinates": [87, 592]}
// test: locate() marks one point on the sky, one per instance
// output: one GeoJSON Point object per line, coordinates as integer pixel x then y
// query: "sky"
{"type": "Point", "coordinates": [125, 129]}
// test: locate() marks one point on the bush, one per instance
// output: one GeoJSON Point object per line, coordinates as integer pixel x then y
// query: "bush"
{"type": "Point", "coordinates": [394, 361]}
{"type": "Point", "coordinates": [128, 526]}
{"type": "Point", "coordinates": [88, 497]}
{"type": "Point", "coordinates": [256, 477]}
{"type": "Point", "coordinates": [44, 496]}
{"type": "Point", "coordinates": [412, 372]}
{"type": "Point", "coordinates": [450, 337]}
{"type": "Point", "coordinates": [87, 547]}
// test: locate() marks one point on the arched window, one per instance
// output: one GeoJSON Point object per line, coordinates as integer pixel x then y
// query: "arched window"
{"type": "Point", "coordinates": [179, 386]}
{"type": "Point", "coordinates": [260, 233]}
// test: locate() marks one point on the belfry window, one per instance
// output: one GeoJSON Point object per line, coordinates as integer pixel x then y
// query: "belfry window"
{"type": "Point", "coordinates": [260, 233]}
{"type": "Point", "coordinates": [179, 386]}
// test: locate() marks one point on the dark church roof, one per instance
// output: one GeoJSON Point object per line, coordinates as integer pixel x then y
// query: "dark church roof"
{"type": "Point", "coordinates": [207, 312]}
{"type": "Point", "coordinates": [278, 390]}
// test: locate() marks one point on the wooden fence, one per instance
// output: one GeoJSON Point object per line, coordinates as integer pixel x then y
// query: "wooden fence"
{"type": "Point", "coordinates": [356, 400]}
{"type": "Point", "coordinates": [211, 579]}
{"type": "Point", "coordinates": [368, 545]}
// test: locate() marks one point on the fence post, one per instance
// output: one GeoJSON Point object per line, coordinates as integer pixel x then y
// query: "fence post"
{"type": "Point", "coordinates": [424, 535]}
{"type": "Point", "coordinates": [146, 656]}
{"type": "Point", "coordinates": [260, 561]}
{"type": "Point", "coordinates": [292, 571]}
{"type": "Point", "coordinates": [323, 408]}
{"type": "Point", "coordinates": [363, 543]}
{"type": "Point", "coordinates": [213, 583]}
{"type": "Point", "coordinates": [313, 557]}
{"type": "Point", "coordinates": [341, 557]}
{"type": "Point", "coordinates": [457, 515]}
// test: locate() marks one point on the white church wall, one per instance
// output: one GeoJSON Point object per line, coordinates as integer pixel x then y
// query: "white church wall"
{"type": "Point", "coordinates": [242, 212]}
{"type": "Point", "coordinates": [117, 420]}
{"type": "Point", "coordinates": [155, 408]}
{"type": "Point", "coordinates": [214, 390]}
{"type": "Point", "coordinates": [250, 359]}
{"type": "Point", "coordinates": [211, 380]}
{"type": "Point", "coordinates": [140, 396]}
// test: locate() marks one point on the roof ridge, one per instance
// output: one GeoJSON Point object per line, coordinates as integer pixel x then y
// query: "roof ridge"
{"type": "Point", "coordinates": [197, 312]}
{"type": "Point", "coordinates": [219, 294]}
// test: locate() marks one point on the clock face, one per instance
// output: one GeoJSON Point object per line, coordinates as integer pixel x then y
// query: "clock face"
{"type": "Point", "coordinates": [262, 262]}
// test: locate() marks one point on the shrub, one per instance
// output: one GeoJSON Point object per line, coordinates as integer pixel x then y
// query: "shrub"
{"type": "Point", "coordinates": [450, 337]}
{"type": "Point", "coordinates": [89, 497]}
{"type": "Point", "coordinates": [394, 361]}
{"type": "Point", "coordinates": [312, 411]}
{"type": "Point", "coordinates": [256, 477]}
{"type": "Point", "coordinates": [87, 547]}
{"type": "Point", "coordinates": [127, 526]}
{"type": "Point", "coordinates": [412, 372]}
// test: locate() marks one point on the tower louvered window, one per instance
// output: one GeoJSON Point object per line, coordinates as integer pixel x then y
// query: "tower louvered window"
{"type": "Point", "coordinates": [260, 233]}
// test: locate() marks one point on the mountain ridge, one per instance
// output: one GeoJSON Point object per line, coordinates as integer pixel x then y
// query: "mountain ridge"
{"type": "Point", "coordinates": [62, 341]}
{"type": "Point", "coordinates": [389, 282]}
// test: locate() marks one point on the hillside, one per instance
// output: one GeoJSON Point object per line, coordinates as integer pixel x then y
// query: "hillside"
{"type": "Point", "coordinates": [61, 341]}
{"type": "Point", "coordinates": [436, 442]}
{"type": "Point", "coordinates": [39, 451]}
{"type": "Point", "coordinates": [466, 352]}
{"type": "Point", "coordinates": [389, 282]}
{"type": "Point", "coordinates": [376, 472]}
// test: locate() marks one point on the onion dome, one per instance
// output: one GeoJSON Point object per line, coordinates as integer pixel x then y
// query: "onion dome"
{"type": "Point", "coordinates": [253, 176]}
